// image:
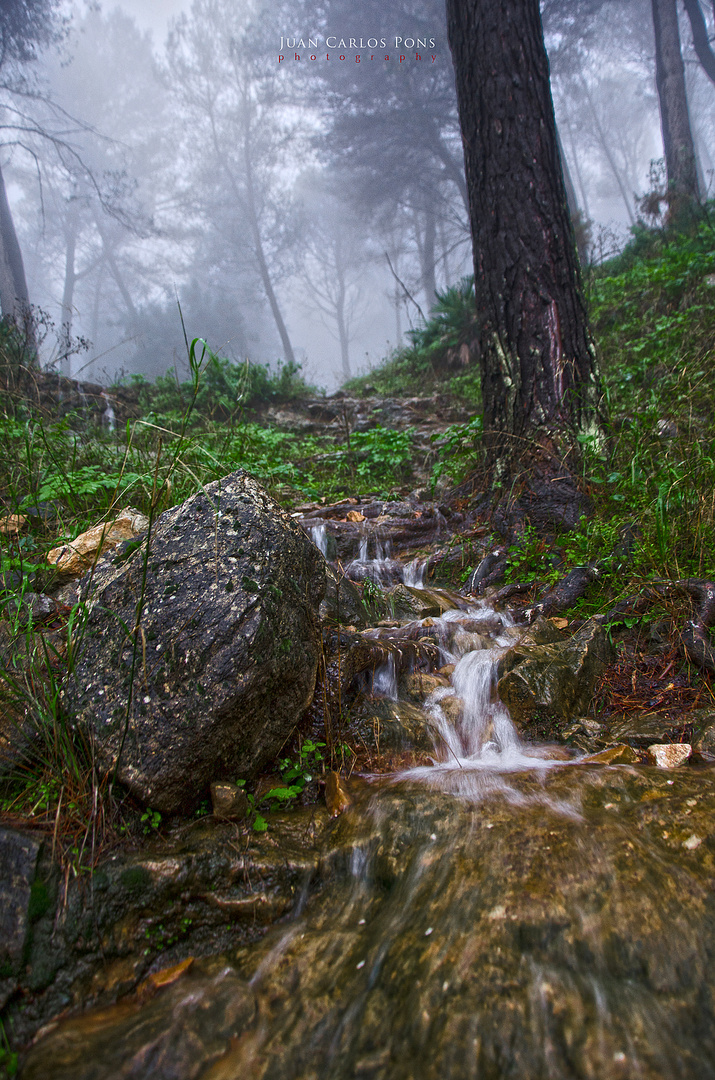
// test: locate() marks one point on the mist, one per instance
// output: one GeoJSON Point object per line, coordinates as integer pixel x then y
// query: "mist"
{"type": "Point", "coordinates": [171, 173]}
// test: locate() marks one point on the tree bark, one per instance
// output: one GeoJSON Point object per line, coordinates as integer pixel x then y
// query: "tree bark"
{"type": "Point", "coordinates": [701, 42]}
{"type": "Point", "coordinates": [14, 297]}
{"type": "Point", "coordinates": [539, 376]}
{"type": "Point", "coordinates": [674, 119]}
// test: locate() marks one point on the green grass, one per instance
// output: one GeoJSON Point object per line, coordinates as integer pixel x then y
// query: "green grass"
{"type": "Point", "coordinates": [653, 314]}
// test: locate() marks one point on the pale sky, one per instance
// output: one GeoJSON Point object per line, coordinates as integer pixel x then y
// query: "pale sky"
{"type": "Point", "coordinates": [151, 14]}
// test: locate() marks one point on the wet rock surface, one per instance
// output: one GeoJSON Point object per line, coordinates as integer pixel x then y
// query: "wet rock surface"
{"type": "Point", "coordinates": [555, 679]}
{"type": "Point", "coordinates": [222, 660]}
{"type": "Point", "coordinates": [206, 888]}
{"type": "Point", "coordinates": [558, 927]}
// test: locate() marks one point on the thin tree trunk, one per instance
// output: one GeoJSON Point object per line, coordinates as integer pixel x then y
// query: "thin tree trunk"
{"type": "Point", "coordinates": [701, 41]}
{"type": "Point", "coordinates": [14, 297]}
{"type": "Point", "coordinates": [116, 273]}
{"type": "Point", "coordinates": [674, 119]}
{"type": "Point", "coordinates": [429, 281]}
{"type": "Point", "coordinates": [446, 267]}
{"type": "Point", "coordinates": [539, 378]}
{"type": "Point", "coordinates": [579, 175]}
{"type": "Point", "coordinates": [68, 294]}
{"type": "Point", "coordinates": [606, 147]}
{"type": "Point", "coordinates": [572, 202]}
{"type": "Point", "coordinates": [340, 319]}
{"type": "Point", "coordinates": [263, 264]}
{"type": "Point", "coordinates": [254, 226]}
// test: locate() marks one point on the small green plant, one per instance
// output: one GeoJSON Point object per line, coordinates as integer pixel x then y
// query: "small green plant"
{"type": "Point", "coordinates": [459, 450]}
{"type": "Point", "coordinates": [151, 821]}
{"type": "Point", "coordinates": [294, 775]}
{"type": "Point", "coordinates": [436, 350]}
{"type": "Point", "coordinates": [8, 1057]}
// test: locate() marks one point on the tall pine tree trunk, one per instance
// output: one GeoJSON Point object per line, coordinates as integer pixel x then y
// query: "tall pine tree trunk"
{"type": "Point", "coordinates": [538, 366]}
{"type": "Point", "coordinates": [674, 119]}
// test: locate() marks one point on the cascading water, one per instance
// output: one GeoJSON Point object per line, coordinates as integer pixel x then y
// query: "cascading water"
{"type": "Point", "coordinates": [319, 536]}
{"type": "Point", "coordinates": [109, 417]}
{"type": "Point", "coordinates": [384, 680]}
{"type": "Point", "coordinates": [384, 569]}
{"type": "Point", "coordinates": [414, 573]}
{"type": "Point", "coordinates": [491, 916]}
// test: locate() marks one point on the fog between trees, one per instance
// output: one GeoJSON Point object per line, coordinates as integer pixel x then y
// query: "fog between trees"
{"type": "Point", "coordinates": [304, 210]}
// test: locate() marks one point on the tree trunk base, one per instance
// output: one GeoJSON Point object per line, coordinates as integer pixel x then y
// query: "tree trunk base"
{"type": "Point", "coordinates": [536, 488]}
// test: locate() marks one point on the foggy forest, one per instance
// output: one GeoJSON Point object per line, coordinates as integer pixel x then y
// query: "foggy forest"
{"type": "Point", "coordinates": [300, 211]}
{"type": "Point", "coordinates": [357, 540]}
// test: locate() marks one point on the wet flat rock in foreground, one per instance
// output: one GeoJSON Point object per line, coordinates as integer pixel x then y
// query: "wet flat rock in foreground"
{"type": "Point", "coordinates": [562, 926]}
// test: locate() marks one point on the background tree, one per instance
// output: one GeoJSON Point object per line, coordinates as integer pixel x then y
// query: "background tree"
{"type": "Point", "coordinates": [230, 105]}
{"type": "Point", "coordinates": [701, 39]}
{"type": "Point", "coordinates": [538, 366]}
{"type": "Point", "coordinates": [25, 25]}
{"type": "Point", "coordinates": [392, 133]}
{"type": "Point", "coordinates": [334, 264]}
{"type": "Point", "coordinates": [674, 118]}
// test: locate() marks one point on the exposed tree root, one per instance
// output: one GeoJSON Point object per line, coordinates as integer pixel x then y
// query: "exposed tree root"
{"type": "Point", "coordinates": [565, 593]}
{"type": "Point", "coordinates": [694, 638]}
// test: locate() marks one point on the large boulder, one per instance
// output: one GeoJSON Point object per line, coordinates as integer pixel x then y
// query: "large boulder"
{"type": "Point", "coordinates": [226, 652]}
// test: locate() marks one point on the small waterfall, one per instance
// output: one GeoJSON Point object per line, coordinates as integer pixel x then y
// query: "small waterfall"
{"type": "Point", "coordinates": [84, 401]}
{"type": "Point", "coordinates": [384, 681]}
{"type": "Point", "coordinates": [319, 536]}
{"type": "Point", "coordinates": [109, 418]}
{"type": "Point", "coordinates": [478, 740]}
{"type": "Point", "coordinates": [414, 573]}
{"type": "Point", "coordinates": [383, 570]}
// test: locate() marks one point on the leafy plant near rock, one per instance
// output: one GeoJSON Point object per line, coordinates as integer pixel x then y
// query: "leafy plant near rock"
{"type": "Point", "coordinates": [295, 775]}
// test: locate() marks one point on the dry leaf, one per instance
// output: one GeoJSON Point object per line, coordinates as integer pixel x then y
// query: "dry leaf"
{"type": "Point", "coordinates": [355, 515]}
{"type": "Point", "coordinates": [163, 978]}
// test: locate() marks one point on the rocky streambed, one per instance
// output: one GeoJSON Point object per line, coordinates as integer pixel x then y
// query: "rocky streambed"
{"type": "Point", "coordinates": [482, 904]}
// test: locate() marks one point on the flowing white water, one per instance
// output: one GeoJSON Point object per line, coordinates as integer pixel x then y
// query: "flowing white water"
{"type": "Point", "coordinates": [109, 417]}
{"type": "Point", "coordinates": [384, 568]}
{"type": "Point", "coordinates": [319, 536]}
{"type": "Point", "coordinates": [478, 740]}
{"type": "Point", "coordinates": [414, 573]}
{"type": "Point", "coordinates": [384, 681]}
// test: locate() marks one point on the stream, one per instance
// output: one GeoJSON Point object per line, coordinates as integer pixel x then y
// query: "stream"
{"type": "Point", "coordinates": [508, 911]}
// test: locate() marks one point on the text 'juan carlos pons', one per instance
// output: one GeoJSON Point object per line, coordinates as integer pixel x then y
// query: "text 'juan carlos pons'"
{"type": "Point", "coordinates": [309, 48]}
